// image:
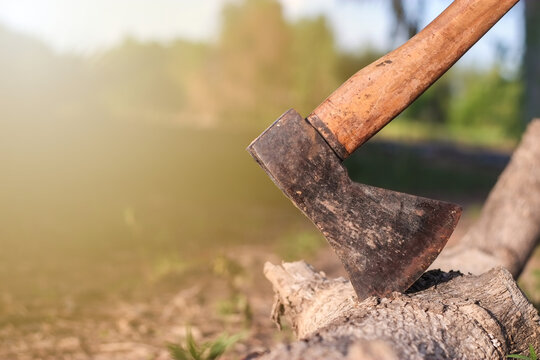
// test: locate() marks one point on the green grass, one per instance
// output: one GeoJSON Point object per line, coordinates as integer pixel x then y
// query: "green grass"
{"type": "Point", "coordinates": [531, 356]}
{"type": "Point", "coordinates": [210, 350]}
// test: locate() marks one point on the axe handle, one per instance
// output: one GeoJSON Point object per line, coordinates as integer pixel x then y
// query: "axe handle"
{"type": "Point", "coordinates": [373, 96]}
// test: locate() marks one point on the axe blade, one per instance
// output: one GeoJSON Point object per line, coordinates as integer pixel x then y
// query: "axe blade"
{"type": "Point", "coordinates": [385, 239]}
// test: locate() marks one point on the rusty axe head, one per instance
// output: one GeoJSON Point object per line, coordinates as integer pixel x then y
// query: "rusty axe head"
{"type": "Point", "coordinates": [385, 239]}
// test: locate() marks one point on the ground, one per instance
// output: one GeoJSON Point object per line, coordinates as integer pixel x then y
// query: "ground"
{"type": "Point", "coordinates": [234, 299]}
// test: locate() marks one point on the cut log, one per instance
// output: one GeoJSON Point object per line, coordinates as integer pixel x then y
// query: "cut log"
{"type": "Point", "coordinates": [447, 316]}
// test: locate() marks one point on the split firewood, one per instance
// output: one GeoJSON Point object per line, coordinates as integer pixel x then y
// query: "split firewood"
{"type": "Point", "coordinates": [444, 315]}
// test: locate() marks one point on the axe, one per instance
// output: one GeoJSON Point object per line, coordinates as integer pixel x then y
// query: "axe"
{"type": "Point", "coordinates": [385, 239]}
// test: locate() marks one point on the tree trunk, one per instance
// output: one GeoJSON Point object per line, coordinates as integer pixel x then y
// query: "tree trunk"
{"type": "Point", "coordinates": [445, 315]}
{"type": "Point", "coordinates": [532, 58]}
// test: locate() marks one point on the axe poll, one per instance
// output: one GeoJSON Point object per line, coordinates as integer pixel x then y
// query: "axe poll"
{"type": "Point", "coordinates": [385, 239]}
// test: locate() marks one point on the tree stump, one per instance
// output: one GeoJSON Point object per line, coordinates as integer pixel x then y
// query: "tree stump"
{"type": "Point", "coordinates": [444, 315]}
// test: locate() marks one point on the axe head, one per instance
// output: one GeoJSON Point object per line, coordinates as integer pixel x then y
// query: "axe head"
{"type": "Point", "coordinates": [385, 239]}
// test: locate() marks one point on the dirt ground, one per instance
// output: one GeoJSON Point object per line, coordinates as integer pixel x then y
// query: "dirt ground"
{"type": "Point", "coordinates": [208, 306]}
{"type": "Point", "coordinates": [234, 299]}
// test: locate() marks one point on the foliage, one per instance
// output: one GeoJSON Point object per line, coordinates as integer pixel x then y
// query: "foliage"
{"type": "Point", "coordinates": [487, 101]}
{"type": "Point", "coordinates": [259, 66]}
{"type": "Point", "coordinates": [433, 105]}
{"type": "Point", "coordinates": [300, 244]}
{"type": "Point", "coordinates": [210, 350]}
{"type": "Point", "coordinates": [532, 355]}
{"type": "Point", "coordinates": [349, 63]}
{"type": "Point", "coordinates": [266, 64]}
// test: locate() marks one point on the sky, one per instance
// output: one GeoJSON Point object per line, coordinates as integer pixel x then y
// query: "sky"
{"type": "Point", "coordinates": [87, 26]}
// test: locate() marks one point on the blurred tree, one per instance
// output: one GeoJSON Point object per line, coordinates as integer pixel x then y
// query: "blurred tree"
{"type": "Point", "coordinates": [406, 21]}
{"type": "Point", "coordinates": [349, 63]}
{"type": "Point", "coordinates": [532, 58]}
{"type": "Point", "coordinates": [433, 105]}
{"type": "Point", "coordinates": [189, 65]}
{"type": "Point", "coordinates": [254, 49]}
{"type": "Point", "coordinates": [314, 64]}
{"type": "Point", "coordinates": [29, 71]}
{"type": "Point", "coordinates": [152, 82]}
{"type": "Point", "coordinates": [436, 102]}
{"type": "Point", "coordinates": [264, 65]}
{"type": "Point", "coordinates": [133, 80]}
{"type": "Point", "coordinates": [488, 102]}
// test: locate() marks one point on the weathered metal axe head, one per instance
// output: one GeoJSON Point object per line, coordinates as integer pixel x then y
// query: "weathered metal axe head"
{"type": "Point", "coordinates": [385, 239]}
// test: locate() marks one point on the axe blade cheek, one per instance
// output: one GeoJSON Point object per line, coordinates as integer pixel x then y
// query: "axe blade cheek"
{"type": "Point", "coordinates": [385, 239]}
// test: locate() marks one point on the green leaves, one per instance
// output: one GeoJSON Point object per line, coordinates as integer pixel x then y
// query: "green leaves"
{"type": "Point", "coordinates": [532, 355]}
{"type": "Point", "coordinates": [210, 350]}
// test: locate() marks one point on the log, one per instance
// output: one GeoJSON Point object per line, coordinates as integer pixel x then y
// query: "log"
{"type": "Point", "coordinates": [444, 315]}
{"type": "Point", "coordinates": [509, 225]}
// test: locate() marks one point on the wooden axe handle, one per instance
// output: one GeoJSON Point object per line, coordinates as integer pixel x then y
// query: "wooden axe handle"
{"type": "Point", "coordinates": [373, 96]}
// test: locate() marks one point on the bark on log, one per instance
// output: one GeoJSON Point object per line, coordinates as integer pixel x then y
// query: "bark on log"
{"type": "Point", "coordinates": [445, 315]}
{"type": "Point", "coordinates": [509, 226]}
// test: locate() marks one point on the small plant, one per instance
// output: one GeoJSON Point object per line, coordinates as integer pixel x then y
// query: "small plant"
{"type": "Point", "coordinates": [231, 271]}
{"type": "Point", "coordinates": [210, 350]}
{"type": "Point", "coordinates": [532, 355]}
{"type": "Point", "coordinates": [237, 304]}
{"type": "Point", "coordinates": [236, 277]}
